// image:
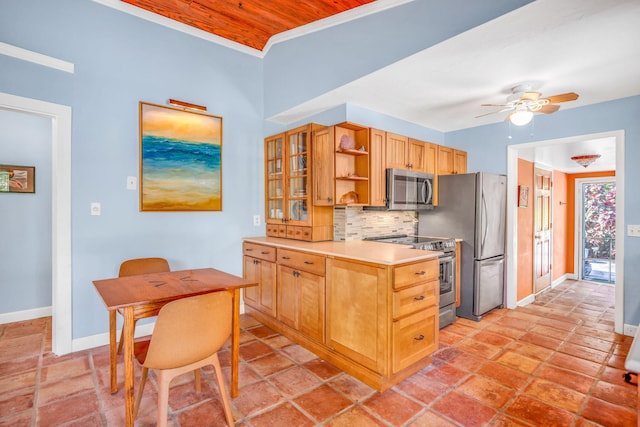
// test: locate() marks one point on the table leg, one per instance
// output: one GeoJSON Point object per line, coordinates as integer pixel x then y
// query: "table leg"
{"type": "Point", "coordinates": [235, 342]}
{"type": "Point", "coordinates": [112, 352]}
{"type": "Point", "coordinates": [128, 365]}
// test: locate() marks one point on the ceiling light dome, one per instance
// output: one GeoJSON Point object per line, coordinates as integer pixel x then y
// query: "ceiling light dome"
{"type": "Point", "coordinates": [521, 116]}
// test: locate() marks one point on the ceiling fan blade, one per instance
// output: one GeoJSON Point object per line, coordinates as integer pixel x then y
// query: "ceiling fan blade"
{"type": "Point", "coordinates": [569, 96]}
{"type": "Point", "coordinates": [494, 112]}
{"type": "Point", "coordinates": [549, 108]}
{"type": "Point", "coordinates": [530, 96]}
{"type": "Point", "coordinates": [494, 105]}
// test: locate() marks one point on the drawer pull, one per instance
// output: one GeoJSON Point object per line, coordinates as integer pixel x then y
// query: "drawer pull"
{"type": "Point", "coordinates": [420, 298]}
{"type": "Point", "coordinates": [421, 273]}
{"type": "Point", "coordinates": [308, 262]}
{"type": "Point", "coordinates": [248, 249]}
{"type": "Point", "coordinates": [285, 257]}
{"type": "Point", "coordinates": [265, 252]}
{"type": "Point", "coordinates": [419, 338]}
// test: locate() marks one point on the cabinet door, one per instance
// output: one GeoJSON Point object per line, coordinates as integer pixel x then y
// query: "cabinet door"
{"type": "Point", "coordinates": [414, 337]}
{"type": "Point", "coordinates": [287, 296]}
{"type": "Point", "coordinates": [297, 178]}
{"type": "Point", "coordinates": [432, 158]}
{"type": "Point", "coordinates": [322, 160]}
{"type": "Point", "coordinates": [311, 316]}
{"type": "Point", "coordinates": [251, 272]}
{"type": "Point", "coordinates": [445, 160]}
{"type": "Point", "coordinates": [275, 191]}
{"type": "Point", "coordinates": [460, 161]}
{"type": "Point", "coordinates": [377, 168]}
{"type": "Point", "coordinates": [267, 285]}
{"type": "Point", "coordinates": [396, 151]}
{"type": "Point", "coordinates": [417, 155]}
{"type": "Point", "coordinates": [357, 307]}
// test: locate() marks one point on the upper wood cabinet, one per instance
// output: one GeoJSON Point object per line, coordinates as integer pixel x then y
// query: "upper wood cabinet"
{"type": "Point", "coordinates": [377, 168]}
{"type": "Point", "coordinates": [408, 153]}
{"type": "Point", "coordinates": [396, 151]}
{"type": "Point", "coordinates": [290, 211]}
{"type": "Point", "coordinates": [451, 161]}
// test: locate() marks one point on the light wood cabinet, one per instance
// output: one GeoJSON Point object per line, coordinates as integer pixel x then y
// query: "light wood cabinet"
{"type": "Point", "coordinates": [290, 209]}
{"type": "Point", "coordinates": [351, 164]}
{"type": "Point", "coordinates": [301, 292]}
{"type": "Point", "coordinates": [451, 161]}
{"type": "Point", "coordinates": [357, 312]}
{"type": "Point", "coordinates": [377, 168]}
{"type": "Point", "coordinates": [260, 267]}
{"type": "Point", "coordinates": [408, 153]}
{"type": "Point", "coordinates": [376, 322]}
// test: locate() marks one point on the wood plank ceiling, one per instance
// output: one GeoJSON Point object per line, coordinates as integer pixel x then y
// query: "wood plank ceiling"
{"type": "Point", "coordinates": [249, 22]}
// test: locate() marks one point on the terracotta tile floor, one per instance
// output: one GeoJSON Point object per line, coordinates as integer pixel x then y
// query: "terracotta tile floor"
{"type": "Point", "coordinates": [556, 362]}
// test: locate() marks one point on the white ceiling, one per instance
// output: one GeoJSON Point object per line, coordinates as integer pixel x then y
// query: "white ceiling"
{"type": "Point", "coordinates": [591, 47]}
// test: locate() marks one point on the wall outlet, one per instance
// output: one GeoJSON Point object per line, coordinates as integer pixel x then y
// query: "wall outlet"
{"type": "Point", "coordinates": [256, 220]}
{"type": "Point", "coordinates": [633, 230]}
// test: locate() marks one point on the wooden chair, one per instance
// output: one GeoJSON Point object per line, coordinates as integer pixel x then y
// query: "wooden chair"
{"type": "Point", "coordinates": [187, 336]}
{"type": "Point", "coordinates": [137, 266]}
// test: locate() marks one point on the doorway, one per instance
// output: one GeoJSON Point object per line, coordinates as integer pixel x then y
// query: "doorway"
{"type": "Point", "coordinates": [60, 116]}
{"type": "Point", "coordinates": [596, 240]}
{"type": "Point", "coordinates": [513, 153]}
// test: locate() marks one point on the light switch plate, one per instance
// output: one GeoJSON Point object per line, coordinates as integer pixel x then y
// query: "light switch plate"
{"type": "Point", "coordinates": [132, 182]}
{"type": "Point", "coordinates": [633, 230]}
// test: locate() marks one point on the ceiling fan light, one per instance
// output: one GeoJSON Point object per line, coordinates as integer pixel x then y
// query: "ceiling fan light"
{"type": "Point", "coordinates": [521, 117]}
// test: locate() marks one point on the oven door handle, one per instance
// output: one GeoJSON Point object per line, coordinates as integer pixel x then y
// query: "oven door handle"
{"type": "Point", "coordinates": [446, 258]}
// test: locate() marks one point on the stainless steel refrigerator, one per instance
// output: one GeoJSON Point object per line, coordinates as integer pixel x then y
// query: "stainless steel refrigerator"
{"type": "Point", "coordinates": [472, 207]}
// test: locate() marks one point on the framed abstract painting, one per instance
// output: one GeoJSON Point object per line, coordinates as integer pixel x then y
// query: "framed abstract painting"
{"type": "Point", "coordinates": [180, 159]}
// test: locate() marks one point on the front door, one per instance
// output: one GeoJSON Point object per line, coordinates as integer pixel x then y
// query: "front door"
{"type": "Point", "coordinates": [542, 229]}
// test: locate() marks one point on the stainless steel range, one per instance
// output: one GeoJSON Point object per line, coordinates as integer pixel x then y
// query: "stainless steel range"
{"type": "Point", "coordinates": [447, 268]}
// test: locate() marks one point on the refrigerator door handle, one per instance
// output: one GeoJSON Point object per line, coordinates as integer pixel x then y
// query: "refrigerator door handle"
{"type": "Point", "coordinates": [484, 224]}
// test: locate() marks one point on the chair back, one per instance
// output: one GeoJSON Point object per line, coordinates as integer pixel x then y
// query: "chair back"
{"type": "Point", "coordinates": [133, 267]}
{"type": "Point", "coordinates": [189, 330]}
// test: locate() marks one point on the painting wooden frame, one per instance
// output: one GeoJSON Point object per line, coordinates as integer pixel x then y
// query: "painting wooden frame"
{"type": "Point", "coordinates": [17, 179]}
{"type": "Point", "coordinates": [180, 159]}
{"type": "Point", "coordinates": [523, 196]}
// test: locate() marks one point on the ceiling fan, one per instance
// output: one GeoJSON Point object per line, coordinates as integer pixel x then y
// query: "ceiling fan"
{"type": "Point", "coordinates": [524, 101]}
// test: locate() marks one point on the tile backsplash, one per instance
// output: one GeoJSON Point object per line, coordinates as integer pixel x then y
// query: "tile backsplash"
{"type": "Point", "coordinates": [355, 223]}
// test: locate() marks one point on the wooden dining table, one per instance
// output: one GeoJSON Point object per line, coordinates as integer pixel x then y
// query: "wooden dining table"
{"type": "Point", "coordinates": [144, 295]}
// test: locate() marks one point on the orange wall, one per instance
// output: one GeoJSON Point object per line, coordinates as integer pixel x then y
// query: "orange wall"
{"type": "Point", "coordinates": [525, 233]}
{"type": "Point", "coordinates": [571, 208]}
{"type": "Point", "coordinates": [563, 225]}
{"type": "Point", "coordinates": [560, 214]}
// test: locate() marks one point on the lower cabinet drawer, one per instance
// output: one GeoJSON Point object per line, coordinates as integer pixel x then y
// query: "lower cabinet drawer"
{"type": "Point", "coordinates": [267, 253]}
{"type": "Point", "coordinates": [414, 337]}
{"type": "Point", "coordinates": [415, 298]}
{"type": "Point", "coordinates": [416, 272]}
{"type": "Point", "coordinates": [302, 261]}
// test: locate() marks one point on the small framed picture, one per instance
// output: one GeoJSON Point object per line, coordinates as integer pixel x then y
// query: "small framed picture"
{"type": "Point", "coordinates": [523, 196]}
{"type": "Point", "coordinates": [17, 179]}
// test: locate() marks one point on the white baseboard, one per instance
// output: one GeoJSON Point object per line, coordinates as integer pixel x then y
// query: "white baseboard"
{"type": "Point", "coordinates": [20, 316]}
{"type": "Point", "coordinates": [526, 301]}
{"type": "Point", "coordinates": [562, 279]}
{"type": "Point", "coordinates": [99, 340]}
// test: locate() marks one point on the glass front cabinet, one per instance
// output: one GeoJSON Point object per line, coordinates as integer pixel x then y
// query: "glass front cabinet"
{"type": "Point", "coordinates": [288, 169]}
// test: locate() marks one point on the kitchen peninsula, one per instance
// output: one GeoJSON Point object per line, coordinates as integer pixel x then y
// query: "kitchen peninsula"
{"type": "Point", "coordinates": [369, 308]}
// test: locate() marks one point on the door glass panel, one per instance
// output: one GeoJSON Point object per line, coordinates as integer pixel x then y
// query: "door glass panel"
{"type": "Point", "coordinates": [298, 210]}
{"type": "Point", "coordinates": [599, 231]}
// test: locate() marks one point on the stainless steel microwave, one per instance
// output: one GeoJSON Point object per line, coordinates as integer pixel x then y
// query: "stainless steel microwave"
{"type": "Point", "coordinates": [409, 190]}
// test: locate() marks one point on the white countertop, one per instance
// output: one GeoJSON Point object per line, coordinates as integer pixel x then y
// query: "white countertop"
{"type": "Point", "coordinates": [368, 251]}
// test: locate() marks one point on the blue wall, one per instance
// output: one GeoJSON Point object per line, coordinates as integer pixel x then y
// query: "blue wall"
{"type": "Point", "coordinates": [487, 150]}
{"type": "Point", "coordinates": [121, 60]}
{"type": "Point", "coordinates": [25, 218]}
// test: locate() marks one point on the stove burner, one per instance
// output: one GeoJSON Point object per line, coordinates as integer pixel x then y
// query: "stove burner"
{"type": "Point", "coordinates": [418, 242]}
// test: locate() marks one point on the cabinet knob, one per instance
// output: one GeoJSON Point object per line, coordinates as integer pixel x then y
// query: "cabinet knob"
{"type": "Point", "coordinates": [419, 337]}
{"type": "Point", "coordinates": [329, 199]}
{"type": "Point", "coordinates": [420, 298]}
